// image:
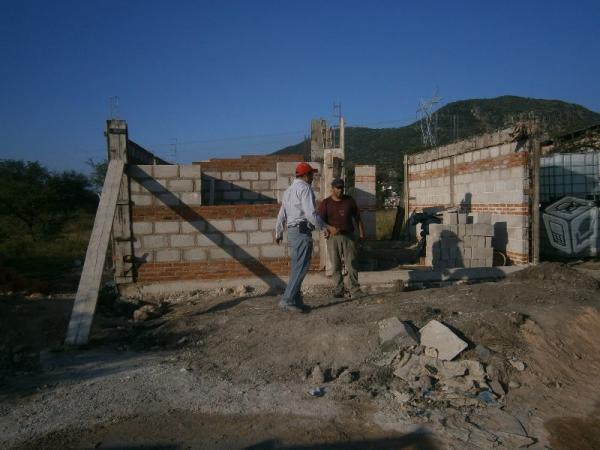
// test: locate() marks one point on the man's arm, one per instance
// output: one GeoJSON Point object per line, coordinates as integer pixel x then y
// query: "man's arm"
{"type": "Point", "coordinates": [280, 224]}
{"type": "Point", "coordinates": [308, 205]}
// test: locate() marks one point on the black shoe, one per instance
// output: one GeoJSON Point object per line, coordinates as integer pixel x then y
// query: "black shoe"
{"type": "Point", "coordinates": [338, 294]}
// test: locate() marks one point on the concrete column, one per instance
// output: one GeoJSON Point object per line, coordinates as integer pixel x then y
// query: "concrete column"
{"type": "Point", "coordinates": [364, 193]}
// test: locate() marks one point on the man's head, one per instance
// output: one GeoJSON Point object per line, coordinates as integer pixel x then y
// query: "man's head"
{"type": "Point", "coordinates": [337, 187]}
{"type": "Point", "coordinates": [306, 172]}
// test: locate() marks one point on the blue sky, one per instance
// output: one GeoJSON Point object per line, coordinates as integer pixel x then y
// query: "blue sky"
{"type": "Point", "coordinates": [225, 78]}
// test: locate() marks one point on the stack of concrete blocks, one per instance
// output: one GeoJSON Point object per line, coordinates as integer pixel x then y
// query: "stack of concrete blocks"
{"type": "Point", "coordinates": [460, 243]}
{"type": "Point", "coordinates": [365, 185]}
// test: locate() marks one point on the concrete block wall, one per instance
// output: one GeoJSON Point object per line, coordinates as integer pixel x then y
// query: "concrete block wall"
{"type": "Point", "coordinates": [209, 242]}
{"type": "Point", "coordinates": [460, 242]}
{"type": "Point", "coordinates": [488, 174]}
{"type": "Point", "coordinates": [286, 174]}
{"type": "Point", "coordinates": [165, 185]}
{"type": "Point", "coordinates": [365, 185]}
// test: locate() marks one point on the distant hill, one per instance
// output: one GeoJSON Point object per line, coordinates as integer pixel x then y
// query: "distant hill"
{"type": "Point", "coordinates": [386, 147]}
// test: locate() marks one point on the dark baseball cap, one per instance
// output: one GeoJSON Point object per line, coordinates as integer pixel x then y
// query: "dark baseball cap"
{"type": "Point", "coordinates": [338, 183]}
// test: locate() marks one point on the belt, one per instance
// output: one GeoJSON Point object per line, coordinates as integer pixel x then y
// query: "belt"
{"type": "Point", "coordinates": [302, 226]}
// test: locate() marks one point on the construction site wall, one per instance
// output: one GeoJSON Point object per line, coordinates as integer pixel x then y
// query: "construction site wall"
{"type": "Point", "coordinates": [178, 237]}
{"type": "Point", "coordinates": [488, 174]}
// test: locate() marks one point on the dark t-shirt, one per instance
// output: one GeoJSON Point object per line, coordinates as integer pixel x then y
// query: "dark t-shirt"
{"type": "Point", "coordinates": [339, 213]}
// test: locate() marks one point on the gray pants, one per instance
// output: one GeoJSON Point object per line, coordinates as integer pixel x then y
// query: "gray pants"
{"type": "Point", "coordinates": [341, 248]}
{"type": "Point", "coordinates": [300, 244]}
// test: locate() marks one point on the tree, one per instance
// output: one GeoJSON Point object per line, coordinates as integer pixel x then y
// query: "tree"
{"type": "Point", "coordinates": [39, 200]}
{"type": "Point", "coordinates": [98, 173]}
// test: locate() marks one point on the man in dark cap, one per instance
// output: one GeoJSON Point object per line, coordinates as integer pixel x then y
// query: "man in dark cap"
{"type": "Point", "coordinates": [340, 211]}
{"type": "Point", "coordinates": [299, 216]}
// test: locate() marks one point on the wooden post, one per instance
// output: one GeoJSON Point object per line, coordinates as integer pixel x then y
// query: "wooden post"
{"type": "Point", "coordinates": [535, 201]}
{"type": "Point", "coordinates": [406, 195]}
{"type": "Point", "coordinates": [91, 277]}
{"type": "Point", "coordinates": [122, 233]}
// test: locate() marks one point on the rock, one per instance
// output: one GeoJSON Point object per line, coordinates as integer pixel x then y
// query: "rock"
{"type": "Point", "coordinates": [35, 296]}
{"type": "Point", "coordinates": [437, 335]}
{"type": "Point", "coordinates": [346, 377]}
{"type": "Point", "coordinates": [474, 368]}
{"type": "Point", "coordinates": [402, 397]}
{"type": "Point", "coordinates": [317, 376]}
{"type": "Point", "coordinates": [483, 353]}
{"type": "Point", "coordinates": [422, 383]}
{"type": "Point", "coordinates": [241, 290]}
{"type": "Point", "coordinates": [408, 367]}
{"type": "Point", "coordinates": [514, 385]}
{"type": "Point", "coordinates": [146, 312]}
{"type": "Point", "coordinates": [519, 365]}
{"type": "Point", "coordinates": [497, 388]}
{"type": "Point", "coordinates": [183, 340]}
{"type": "Point", "coordinates": [317, 392]}
{"type": "Point", "coordinates": [431, 352]}
{"type": "Point", "coordinates": [487, 397]}
{"type": "Point", "coordinates": [393, 330]}
{"type": "Point", "coordinates": [452, 370]}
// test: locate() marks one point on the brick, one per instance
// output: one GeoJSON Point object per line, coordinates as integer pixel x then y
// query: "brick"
{"type": "Point", "coordinates": [249, 175]}
{"type": "Point", "coordinates": [245, 224]}
{"type": "Point", "coordinates": [142, 228]}
{"type": "Point", "coordinates": [166, 227]}
{"type": "Point", "coordinates": [209, 240]}
{"type": "Point", "coordinates": [191, 198]}
{"type": "Point", "coordinates": [231, 176]}
{"type": "Point", "coordinates": [180, 185]}
{"type": "Point", "coordinates": [194, 226]}
{"type": "Point", "coordinates": [166, 171]}
{"type": "Point", "coordinates": [141, 200]}
{"type": "Point", "coordinates": [194, 254]}
{"type": "Point", "coordinates": [190, 171]}
{"type": "Point", "coordinates": [235, 238]}
{"type": "Point", "coordinates": [273, 251]}
{"type": "Point", "coordinates": [219, 225]}
{"type": "Point", "coordinates": [154, 241]}
{"type": "Point", "coordinates": [183, 240]}
{"type": "Point", "coordinates": [168, 255]}
{"type": "Point", "coordinates": [261, 237]}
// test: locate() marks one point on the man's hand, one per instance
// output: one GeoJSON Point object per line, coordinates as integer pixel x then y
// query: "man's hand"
{"type": "Point", "coordinates": [278, 239]}
{"type": "Point", "coordinates": [361, 236]}
{"type": "Point", "coordinates": [332, 230]}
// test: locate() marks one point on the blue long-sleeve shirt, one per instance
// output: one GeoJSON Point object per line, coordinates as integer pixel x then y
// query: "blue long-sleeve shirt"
{"type": "Point", "coordinates": [298, 205]}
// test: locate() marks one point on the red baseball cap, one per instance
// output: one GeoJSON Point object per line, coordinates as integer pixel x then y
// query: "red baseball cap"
{"type": "Point", "coordinates": [304, 168]}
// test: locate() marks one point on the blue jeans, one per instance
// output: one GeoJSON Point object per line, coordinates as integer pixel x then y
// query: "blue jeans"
{"type": "Point", "coordinates": [301, 245]}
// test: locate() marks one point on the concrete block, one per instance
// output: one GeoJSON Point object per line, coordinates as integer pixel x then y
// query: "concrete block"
{"type": "Point", "coordinates": [462, 218]}
{"type": "Point", "coordinates": [267, 224]}
{"type": "Point", "coordinates": [231, 195]}
{"type": "Point", "coordinates": [273, 251]}
{"type": "Point", "coordinates": [154, 185]}
{"type": "Point", "coordinates": [393, 330]}
{"type": "Point", "coordinates": [221, 185]}
{"type": "Point", "coordinates": [235, 238]}
{"type": "Point", "coordinates": [168, 199]}
{"type": "Point", "coordinates": [247, 253]}
{"type": "Point", "coordinates": [268, 175]}
{"type": "Point", "coordinates": [246, 224]}
{"type": "Point", "coordinates": [482, 253]}
{"type": "Point", "coordinates": [261, 237]}
{"type": "Point", "coordinates": [231, 176]}
{"type": "Point", "coordinates": [435, 228]}
{"type": "Point", "coordinates": [488, 242]}
{"type": "Point", "coordinates": [450, 218]}
{"type": "Point", "coordinates": [467, 253]}
{"type": "Point", "coordinates": [190, 171]}
{"type": "Point", "coordinates": [483, 229]}
{"type": "Point", "coordinates": [191, 198]}
{"type": "Point", "coordinates": [194, 254]}
{"type": "Point", "coordinates": [180, 185]}
{"type": "Point", "coordinates": [141, 200]}
{"type": "Point", "coordinates": [220, 253]}
{"type": "Point", "coordinates": [483, 218]}
{"type": "Point", "coordinates": [139, 171]}
{"type": "Point", "coordinates": [209, 240]}
{"type": "Point", "coordinates": [239, 185]}
{"type": "Point", "coordinates": [489, 262]}
{"type": "Point", "coordinates": [168, 255]}
{"type": "Point", "coordinates": [249, 195]}
{"type": "Point", "coordinates": [166, 227]}
{"type": "Point", "coordinates": [438, 336]}
{"type": "Point", "coordinates": [154, 241]}
{"type": "Point", "coordinates": [142, 228]}
{"type": "Point", "coordinates": [182, 240]}
{"type": "Point", "coordinates": [249, 175]}
{"type": "Point", "coordinates": [260, 185]}
{"type": "Point", "coordinates": [219, 225]}
{"type": "Point", "coordinates": [194, 226]}
{"type": "Point", "coordinates": [166, 171]}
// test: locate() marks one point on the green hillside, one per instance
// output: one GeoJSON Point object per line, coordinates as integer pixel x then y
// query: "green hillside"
{"type": "Point", "coordinates": [386, 147]}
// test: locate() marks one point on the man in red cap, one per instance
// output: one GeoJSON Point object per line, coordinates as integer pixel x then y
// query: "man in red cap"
{"type": "Point", "coordinates": [299, 215]}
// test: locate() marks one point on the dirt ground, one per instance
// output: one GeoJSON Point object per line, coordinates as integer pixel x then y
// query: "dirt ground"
{"type": "Point", "coordinates": [220, 370]}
